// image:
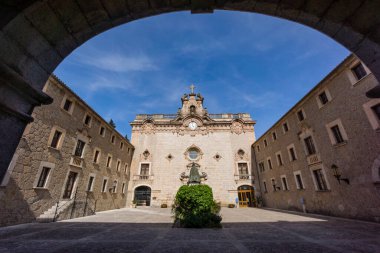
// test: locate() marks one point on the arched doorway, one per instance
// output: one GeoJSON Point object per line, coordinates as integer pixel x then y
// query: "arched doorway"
{"type": "Point", "coordinates": [37, 35]}
{"type": "Point", "coordinates": [246, 195]}
{"type": "Point", "coordinates": [142, 195]}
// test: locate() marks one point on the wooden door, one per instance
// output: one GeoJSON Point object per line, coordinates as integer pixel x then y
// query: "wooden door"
{"type": "Point", "coordinates": [70, 184]}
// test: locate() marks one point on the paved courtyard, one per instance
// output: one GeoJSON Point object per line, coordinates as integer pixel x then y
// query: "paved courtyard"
{"type": "Point", "coordinates": [149, 230]}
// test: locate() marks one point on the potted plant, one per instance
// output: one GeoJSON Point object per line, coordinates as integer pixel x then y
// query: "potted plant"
{"type": "Point", "coordinates": [231, 205]}
{"type": "Point", "coordinates": [134, 203]}
{"type": "Point", "coordinates": [164, 206]}
{"type": "Point", "coordinates": [259, 201]}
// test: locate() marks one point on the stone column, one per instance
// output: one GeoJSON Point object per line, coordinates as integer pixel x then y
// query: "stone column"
{"type": "Point", "coordinates": [17, 101]}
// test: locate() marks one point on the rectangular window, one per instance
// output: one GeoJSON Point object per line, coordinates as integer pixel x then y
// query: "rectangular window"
{"type": "Point", "coordinates": [114, 186]}
{"type": "Point", "coordinates": [96, 156]}
{"type": "Point", "coordinates": [67, 105]}
{"type": "Point", "coordinates": [337, 134]}
{"type": "Point", "coordinates": [87, 120]}
{"type": "Point", "coordinates": [104, 185]}
{"type": "Point", "coordinates": [121, 145]}
{"type": "Point", "coordinates": [376, 110]}
{"type": "Point", "coordinates": [359, 71]}
{"type": "Point", "coordinates": [109, 160]}
{"type": "Point", "coordinates": [274, 184]}
{"type": "Point", "coordinates": [118, 165]}
{"type": "Point", "coordinates": [285, 183]}
{"type": "Point", "coordinates": [123, 188]}
{"type": "Point", "coordinates": [258, 148]}
{"type": "Point", "coordinates": [43, 177]}
{"type": "Point", "coordinates": [292, 154]}
{"type": "Point", "coordinates": [90, 183]}
{"type": "Point", "coordinates": [243, 168]}
{"type": "Point", "coordinates": [299, 182]}
{"type": "Point", "coordinates": [279, 160]}
{"type": "Point", "coordinates": [113, 139]}
{"type": "Point", "coordinates": [144, 169]}
{"type": "Point", "coordinates": [274, 136]}
{"type": "Point", "coordinates": [265, 143]}
{"type": "Point", "coordinates": [285, 127]}
{"type": "Point", "coordinates": [300, 115]}
{"type": "Point", "coordinates": [265, 187]}
{"type": "Point", "coordinates": [55, 141]}
{"type": "Point", "coordinates": [126, 168]}
{"type": "Point", "coordinates": [79, 148]}
{"type": "Point", "coordinates": [320, 180]}
{"type": "Point", "coordinates": [270, 164]}
{"type": "Point", "coordinates": [310, 146]}
{"type": "Point", "coordinates": [323, 98]}
{"type": "Point", "coordinates": [102, 131]}
{"type": "Point", "coordinates": [261, 167]}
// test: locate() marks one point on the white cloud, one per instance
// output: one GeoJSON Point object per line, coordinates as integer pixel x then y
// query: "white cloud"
{"type": "Point", "coordinates": [116, 62]}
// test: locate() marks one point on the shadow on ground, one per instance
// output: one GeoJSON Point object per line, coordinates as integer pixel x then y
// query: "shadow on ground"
{"type": "Point", "coordinates": [282, 236]}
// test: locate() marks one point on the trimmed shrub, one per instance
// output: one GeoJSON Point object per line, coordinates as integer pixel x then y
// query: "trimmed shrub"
{"type": "Point", "coordinates": [194, 207]}
{"type": "Point", "coordinates": [164, 206]}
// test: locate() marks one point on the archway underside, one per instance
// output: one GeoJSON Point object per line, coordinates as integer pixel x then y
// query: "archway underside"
{"type": "Point", "coordinates": [37, 35]}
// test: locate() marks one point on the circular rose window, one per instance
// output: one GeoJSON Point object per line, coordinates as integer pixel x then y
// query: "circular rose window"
{"type": "Point", "coordinates": [193, 154]}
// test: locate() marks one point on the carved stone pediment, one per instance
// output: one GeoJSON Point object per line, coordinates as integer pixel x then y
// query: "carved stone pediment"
{"type": "Point", "coordinates": [148, 128]}
{"type": "Point", "coordinates": [237, 127]}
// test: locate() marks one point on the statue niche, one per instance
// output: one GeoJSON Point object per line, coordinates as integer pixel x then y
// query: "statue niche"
{"type": "Point", "coordinates": [194, 177]}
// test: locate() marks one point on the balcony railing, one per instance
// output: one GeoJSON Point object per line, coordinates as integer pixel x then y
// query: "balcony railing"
{"type": "Point", "coordinates": [213, 116]}
{"type": "Point", "coordinates": [156, 116]}
{"type": "Point", "coordinates": [241, 177]}
{"type": "Point", "coordinates": [142, 177]}
{"type": "Point", "coordinates": [76, 161]}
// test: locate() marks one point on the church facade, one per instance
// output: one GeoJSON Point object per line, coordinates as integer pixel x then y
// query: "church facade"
{"type": "Point", "coordinates": [167, 146]}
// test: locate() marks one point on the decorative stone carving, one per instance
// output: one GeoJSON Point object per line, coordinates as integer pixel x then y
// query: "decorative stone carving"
{"type": "Point", "coordinates": [241, 155]}
{"type": "Point", "coordinates": [193, 148]}
{"type": "Point", "coordinates": [169, 157]}
{"type": "Point", "coordinates": [217, 157]}
{"type": "Point", "coordinates": [146, 155]}
{"type": "Point", "coordinates": [193, 175]}
{"type": "Point", "coordinates": [148, 128]}
{"type": "Point", "coordinates": [236, 127]}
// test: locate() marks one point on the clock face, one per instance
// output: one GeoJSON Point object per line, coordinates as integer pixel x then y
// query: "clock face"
{"type": "Point", "coordinates": [193, 125]}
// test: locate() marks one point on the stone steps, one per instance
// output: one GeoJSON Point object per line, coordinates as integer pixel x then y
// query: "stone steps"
{"type": "Point", "coordinates": [48, 215]}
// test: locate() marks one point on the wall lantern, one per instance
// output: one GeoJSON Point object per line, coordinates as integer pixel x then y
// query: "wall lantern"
{"type": "Point", "coordinates": [337, 174]}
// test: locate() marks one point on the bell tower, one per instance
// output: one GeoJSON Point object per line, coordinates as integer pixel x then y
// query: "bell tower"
{"type": "Point", "coordinates": [192, 104]}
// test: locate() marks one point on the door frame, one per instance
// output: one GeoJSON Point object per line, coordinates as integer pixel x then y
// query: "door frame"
{"type": "Point", "coordinates": [75, 183]}
{"type": "Point", "coordinates": [252, 193]}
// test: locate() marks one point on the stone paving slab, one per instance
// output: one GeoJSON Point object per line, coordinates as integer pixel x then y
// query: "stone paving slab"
{"type": "Point", "coordinates": [150, 230]}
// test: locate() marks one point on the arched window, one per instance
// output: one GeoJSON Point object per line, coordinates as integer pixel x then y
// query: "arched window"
{"type": "Point", "coordinates": [192, 109]}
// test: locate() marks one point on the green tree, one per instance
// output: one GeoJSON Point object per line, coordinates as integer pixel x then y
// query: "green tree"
{"type": "Point", "coordinates": [112, 123]}
{"type": "Point", "coordinates": [195, 207]}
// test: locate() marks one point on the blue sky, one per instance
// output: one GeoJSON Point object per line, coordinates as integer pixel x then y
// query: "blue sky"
{"type": "Point", "coordinates": [240, 62]}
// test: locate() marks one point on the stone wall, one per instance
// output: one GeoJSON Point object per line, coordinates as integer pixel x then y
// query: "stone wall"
{"type": "Point", "coordinates": [355, 157]}
{"type": "Point", "coordinates": [21, 201]}
{"type": "Point", "coordinates": [167, 139]}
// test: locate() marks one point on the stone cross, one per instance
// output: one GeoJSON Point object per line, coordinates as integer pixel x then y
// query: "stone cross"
{"type": "Point", "coordinates": [192, 87]}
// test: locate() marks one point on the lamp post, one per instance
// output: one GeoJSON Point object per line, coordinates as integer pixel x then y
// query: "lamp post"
{"type": "Point", "coordinates": [337, 174]}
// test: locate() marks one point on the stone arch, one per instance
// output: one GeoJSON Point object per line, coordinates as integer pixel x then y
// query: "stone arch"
{"type": "Point", "coordinates": [37, 35]}
{"type": "Point", "coordinates": [142, 195]}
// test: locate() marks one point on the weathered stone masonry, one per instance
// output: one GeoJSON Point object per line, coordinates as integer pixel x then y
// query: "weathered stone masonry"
{"type": "Point", "coordinates": [21, 200]}
{"type": "Point", "coordinates": [356, 155]}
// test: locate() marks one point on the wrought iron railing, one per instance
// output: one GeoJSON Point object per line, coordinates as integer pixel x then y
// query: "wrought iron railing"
{"type": "Point", "coordinates": [142, 177]}
{"type": "Point", "coordinates": [244, 177]}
